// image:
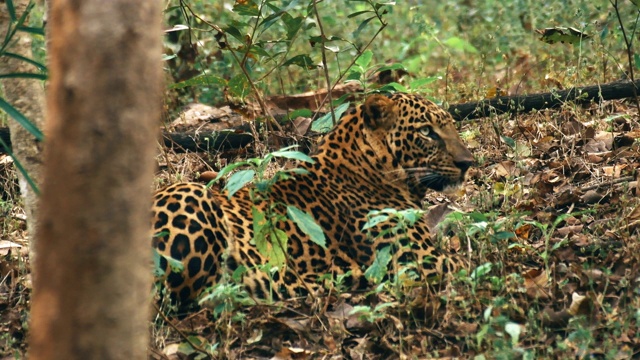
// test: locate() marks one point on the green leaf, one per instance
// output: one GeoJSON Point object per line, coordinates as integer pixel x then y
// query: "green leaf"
{"type": "Point", "coordinates": [158, 271]}
{"type": "Point", "coordinates": [186, 347]}
{"type": "Point", "coordinates": [481, 271]}
{"type": "Point", "coordinates": [171, 8]}
{"type": "Point", "coordinates": [478, 217]}
{"type": "Point", "coordinates": [302, 60]}
{"type": "Point", "coordinates": [418, 83]}
{"type": "Point", "coordinates": [298, 171]}
{"type": "Point", "coordinates": [32, 30]}
{"type": "Point", "coordinates": [395, 66]}
{"type": "Point", "coordinates": [392, 87]}
{"type": "Point", "coordinates": [293, 155]}
{"type": "Point", "coordinates": [269, 20]}
{"type": "Point", "coordinates": [176, 266]}
{"type": "Point", "coordinates": [258, 49]}
{"type": "Point", "coordinates": [358, 13]}
{"type": "Point", "coordinates": [411, 216]}
{"type": "Point", "coordinates": [239, 86]}
{"type": "Point", "coordinates": [460, 44]}
{"type": "Point", "coordinates": [259, 222]}
{"type": "Point", "coordinates": [376, 272]}
{"type": "Point", "coordinates": [248, 9]}
{"type": "Point", "coordinates": [238, 272]}
{"type": "Point", "coordinates": [21, 119]}
{"type": "Point", "coordinates": [375, 220]}
{"type": "Point", "coordinates": [355, 73]}
{"type": "Point", "coordinates": [293, 24]}
{"type": "Point", "coordinates": [364, 59]}
{"type": "Point", "coordinates": [238, 180]}
{"type": "Point", "coordinates": [11, 10]}
{"type": "Point", "coordinates": [509, 141]}
{"type": "Point", "coordinates": [227, 169]}
{"type": "Point", "coordinates": [307, 224]}
{"type": "Point", "coordinates": [19, 22]}
{"type": "Point", "coordinates": [362, 25]}
{"type": "Point", "coordinates": [25, 59]}
{"type": "Point", "coordinates": [324, 123]}
{"type": "Point", "coordinates": [204, 80]}
{"type": "Point", "coordinates": [318, 39]}
{"type": "Point", "coordinates": [340, 100]}
{"type": "Point", "coordinates": [24, 76]}
{"type": "Point", "coordinates": [503, 235]}
{"type": "Point", "coordinates": [563, 34]}
{"type": "Point", "coordinates": [269, 240]}
{"type": "Point", "coordinates": [514, 330]}
{"type": "Point", "coordinates": [233, 31]}
{"type": "Point", "coordinates": [306, 113]}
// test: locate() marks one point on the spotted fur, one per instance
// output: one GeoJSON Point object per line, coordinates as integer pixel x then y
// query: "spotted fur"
{"type": "Point", "coordinates": [385, 153]}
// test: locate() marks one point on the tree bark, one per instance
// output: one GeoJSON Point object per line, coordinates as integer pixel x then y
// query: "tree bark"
{"type": "Point", "coordinates": [27, 96]}
{"type": "Point", "coordinates": [90, 298]}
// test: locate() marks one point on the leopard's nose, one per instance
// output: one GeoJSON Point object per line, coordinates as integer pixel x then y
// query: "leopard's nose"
{"type": "Point", "coordinates": [464, 165]}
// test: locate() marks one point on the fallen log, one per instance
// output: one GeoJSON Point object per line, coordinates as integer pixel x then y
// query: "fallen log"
{"type": "Point", "coordinates": [527, 103]}
{"type": "Point", "coordinates": [184, 141]}
{"type": "Point", "coordinates": [206, 141]}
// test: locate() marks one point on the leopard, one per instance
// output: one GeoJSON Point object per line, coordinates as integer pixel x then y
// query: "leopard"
{"type": "Point", "coordinates": [386, 153]}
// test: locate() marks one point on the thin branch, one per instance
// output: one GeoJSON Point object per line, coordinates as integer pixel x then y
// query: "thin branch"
{"type": "Point", "coordinates": [629, 45]}
{"type": "Point", "coordinates": [325, 65]}
{"type": "Point", "coordinates": [353, 61]}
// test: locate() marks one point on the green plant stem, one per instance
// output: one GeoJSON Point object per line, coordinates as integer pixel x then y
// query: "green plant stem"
{"type": "Point", "coordinates": [353, 61]}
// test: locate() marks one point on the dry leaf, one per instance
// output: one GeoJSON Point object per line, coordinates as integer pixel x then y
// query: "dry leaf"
{"type": "Point", "coordinates": [292, 353]}
{"type": "Point", "coordinates": [536, 282]}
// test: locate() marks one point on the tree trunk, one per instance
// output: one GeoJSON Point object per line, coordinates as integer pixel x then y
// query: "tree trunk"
{"type": "Point", "coordinates": [27, 96]}
{"type": "Point", "coordinates": [90, 298]}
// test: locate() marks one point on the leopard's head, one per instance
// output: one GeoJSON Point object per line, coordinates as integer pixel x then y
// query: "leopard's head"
{"type": "Point", "coordinates": [421, 138]}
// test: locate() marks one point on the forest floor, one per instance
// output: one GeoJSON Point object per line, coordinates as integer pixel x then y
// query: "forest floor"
{"type": "Point", "coordinates": [550, 222]}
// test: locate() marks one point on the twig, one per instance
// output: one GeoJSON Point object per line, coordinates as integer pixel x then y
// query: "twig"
{"type": "Point", "coordinates": [324, 61]}
{"type": "Point", "coordinates": [164, 317]}
{"type": "Point", "coordinates": [612, 182]}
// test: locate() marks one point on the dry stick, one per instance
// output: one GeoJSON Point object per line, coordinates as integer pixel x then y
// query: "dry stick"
{"type": "Point", "coordinates": [612, 182]}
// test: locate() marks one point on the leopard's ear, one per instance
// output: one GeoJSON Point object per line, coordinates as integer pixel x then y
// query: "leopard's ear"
{"type": "Point", "coordinates": [379, 112]}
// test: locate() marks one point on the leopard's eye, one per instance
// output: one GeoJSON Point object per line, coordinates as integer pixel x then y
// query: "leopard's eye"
{"type": "Point", "coordinates": [425, 131]}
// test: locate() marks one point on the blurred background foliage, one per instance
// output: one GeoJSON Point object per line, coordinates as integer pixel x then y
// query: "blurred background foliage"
{"type": "Point", "coordinates": [453, 51]}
